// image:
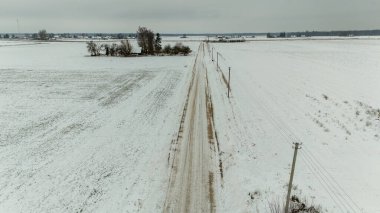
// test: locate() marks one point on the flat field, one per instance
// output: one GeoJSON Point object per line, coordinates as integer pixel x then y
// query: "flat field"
{"type": "Point", "coordinates": [85, 133]}
{"type": "Point", "coordinates": [321, 93]}
{"type": "Point", "coordinates": [159, 134]}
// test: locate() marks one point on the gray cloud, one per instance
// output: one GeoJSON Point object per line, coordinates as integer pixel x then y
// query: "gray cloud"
{"type": "Point", "coordinates": [188, 16]}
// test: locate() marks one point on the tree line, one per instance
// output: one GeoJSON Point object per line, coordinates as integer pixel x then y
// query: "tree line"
{"type": "Point", "coordinates": [347, 33]}
{"type": "Point", "coordinates": [41, 35]}
{"type": "Point", "coordinates": [123, 49]}
{"type": "Point", "coordinates": [147, 40]}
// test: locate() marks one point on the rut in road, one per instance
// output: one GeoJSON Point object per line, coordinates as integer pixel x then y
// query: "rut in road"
{"type": "Point", "coordinates": [192, 180]}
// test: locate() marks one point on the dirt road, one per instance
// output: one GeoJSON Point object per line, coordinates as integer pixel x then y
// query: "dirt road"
{"type": "Point", "coordinates": [192, 181]}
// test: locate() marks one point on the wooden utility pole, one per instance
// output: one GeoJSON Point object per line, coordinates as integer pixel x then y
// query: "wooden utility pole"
{"type": "Point", "coordinates": [217, 61]}
{"type": "Point", "coordinates": [291, 177]}
{"type": "Point", "coordinates": [229, 80]}
{"type": "Point", "coordinates": [212, 49]}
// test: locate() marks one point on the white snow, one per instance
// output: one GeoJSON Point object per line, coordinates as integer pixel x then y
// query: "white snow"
{"type": "Point", "coordinates": [87, 134]}
{"type": "Point", "coordinates": [93, 134]}
{"type": "Point", "coordinates": [324, 94]}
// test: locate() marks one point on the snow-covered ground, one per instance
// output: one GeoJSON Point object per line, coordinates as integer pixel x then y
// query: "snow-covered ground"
{"type": "Point", "coordinates": [98, 134]}
{"type": "Point", "coordinates": [86, 134]}
{"type": "Point", "coordinates": [324, 94]}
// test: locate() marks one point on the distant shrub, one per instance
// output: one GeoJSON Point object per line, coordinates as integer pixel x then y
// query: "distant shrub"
{"type": "Point", "coordinates": [125, 48]}
{"type": "Point", "coordinates": [270, 35]}
{"type": "Point", "coordinates": [106, 48]}
{"type": "Point", "coordinates": [43, 35]}
{"type": "Point", "coordinates": [178, 48]}
{"type": "Point", "coordinates": [113, 50]}
{"type": "Point", "coordinates": [296, 206]}
{"type": "Point", "coordinates": [93, 48]}
{"type": "Point", "coordinates": [186, 50]}
{"type": "Point", "coordinates": [167, 49]}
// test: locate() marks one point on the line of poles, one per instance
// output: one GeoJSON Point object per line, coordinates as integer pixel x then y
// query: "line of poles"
{"type": "Point", "coordinates": [296, 147]}
{"type": "Point", "coordinates": [217, 69]}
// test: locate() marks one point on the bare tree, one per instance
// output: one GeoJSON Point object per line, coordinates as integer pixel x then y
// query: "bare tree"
{"type": "Point", "coordinates": [142, 40]}
{"type": "Point", "coordinates": [125, 48]}
{"type": "Point", "coordinates": [145, 39]}
{"type": "Point", "coordinates": [43, 35]}
{"type": "Point", "coordinates": [106, 48]}
{"type": "Point", "coordinates": [151, 44]}
{"type": "Point", "coordinates": [93, 48]}
{"type": "Point", "coordinates": [113, 50]}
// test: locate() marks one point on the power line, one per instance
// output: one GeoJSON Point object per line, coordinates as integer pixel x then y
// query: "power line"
{"type": "Point", "coordinates": [348, 200]}
{"type": "Point", "coordinates": [320, 180]}
{"type": "Point", "coordinates": [325, 182]}
{"type": "Point", "coordinates": [336, 192]}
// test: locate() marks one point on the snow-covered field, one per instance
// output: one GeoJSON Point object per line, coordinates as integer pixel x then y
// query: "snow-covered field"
{"type": "Point", "coordinates": [324, 94]}
{"type": "Point", "coordinates": [86, 134]}
{"type": "Point", "coordinates": [98, 134]}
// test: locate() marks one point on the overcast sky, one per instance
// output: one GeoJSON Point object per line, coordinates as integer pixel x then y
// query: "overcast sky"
{"type": "Point", "coordinates": [188, 16]}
